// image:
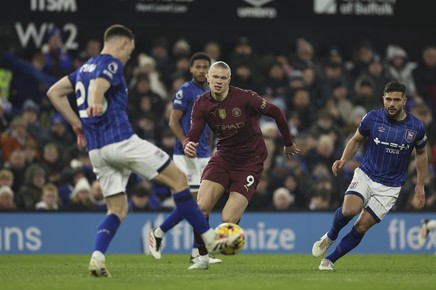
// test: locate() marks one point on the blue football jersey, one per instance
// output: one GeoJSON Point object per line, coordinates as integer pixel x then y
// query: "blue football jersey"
{"type": "Point", "coordinates": [184, 100]}
{"type": "Point", "coordinates": [113, 125]}
{"type": "Point", "coordinates": [390, 145]}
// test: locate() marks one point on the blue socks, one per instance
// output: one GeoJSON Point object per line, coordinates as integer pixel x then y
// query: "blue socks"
{"type": "Point", "coordinates": [171, 220]}
{"type": "Point", "coordinates": [339, 222]}
{"type": "Point", "coordinates": [349, 242]}
{"type": "Point", "coordinates": [105, 232]}
{"type": "Point", "coordinates": [189, 209]}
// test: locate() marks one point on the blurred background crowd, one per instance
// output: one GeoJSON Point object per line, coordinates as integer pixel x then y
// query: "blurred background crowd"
{"type": "Point", "coordinates": [324, 95]}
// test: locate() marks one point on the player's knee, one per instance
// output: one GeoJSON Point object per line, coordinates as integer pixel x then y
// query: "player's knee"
{"type": "Point", "coordinates": [230, 219]}
{"type": "Point", "coordinates": [120, 211]}
{"type": "Point", "coordinates": [361, 227]}
{"type": "Point", "coordinates": [349, 212]}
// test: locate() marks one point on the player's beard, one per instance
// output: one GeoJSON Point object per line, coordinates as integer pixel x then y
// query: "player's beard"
{"type": "Point", "coordinates": [395, 115]}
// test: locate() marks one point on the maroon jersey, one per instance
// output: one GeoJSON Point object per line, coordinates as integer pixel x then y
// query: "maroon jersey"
{"type": "Point", "coordinates": [235, 123]}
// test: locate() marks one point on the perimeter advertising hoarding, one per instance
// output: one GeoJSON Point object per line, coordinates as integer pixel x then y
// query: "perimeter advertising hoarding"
{"type": "Point", "coordinates": [74, 233]}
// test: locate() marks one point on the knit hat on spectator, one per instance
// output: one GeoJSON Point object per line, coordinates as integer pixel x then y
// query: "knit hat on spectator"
{"type": "Point", "coordinates": [54, 32]}
{"type": "Point", "coordinates": [57, 119]}
{"type": "Point", "coordinates": [6, 190]}
{"type": "Point", "coordinates": [82, 185]}
{"type": "Point", "coordinates": [30, 106]}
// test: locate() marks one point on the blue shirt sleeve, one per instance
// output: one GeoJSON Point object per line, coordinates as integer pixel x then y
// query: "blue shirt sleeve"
{"type": "Point", "coordinates": [364, 127]}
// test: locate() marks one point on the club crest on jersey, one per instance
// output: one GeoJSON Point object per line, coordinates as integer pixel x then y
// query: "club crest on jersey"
{"type": "Point", "coordinates": [113, 67]}
{"type": "Point", "coordinates": [222, 113]}
{"type": "Point", "coordinates": [381, 129]}
{"type": "Point", "coordinates": [236, 112]}
{"type": "Point", "coordinates": [410, 135]}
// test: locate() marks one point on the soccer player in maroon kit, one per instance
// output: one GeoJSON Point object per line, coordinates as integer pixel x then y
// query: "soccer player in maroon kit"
{"type": "Point", "coordinates": [232, 114]}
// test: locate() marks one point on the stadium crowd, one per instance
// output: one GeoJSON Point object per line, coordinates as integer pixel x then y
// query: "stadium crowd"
{"type": "Point", "coordinates": [324, 96]}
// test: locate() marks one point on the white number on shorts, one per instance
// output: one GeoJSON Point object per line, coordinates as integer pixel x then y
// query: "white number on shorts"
{"type": "Point", "coordinates": [250, 180]}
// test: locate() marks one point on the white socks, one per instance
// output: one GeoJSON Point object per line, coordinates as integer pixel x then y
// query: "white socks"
{"type": "Point", "coordinates": [99, 256]}
{"type": "Point", "coordinates": [159, 233]}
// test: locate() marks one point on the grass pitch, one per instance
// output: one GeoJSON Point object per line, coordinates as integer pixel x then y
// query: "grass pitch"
{"type": "Point", "coordinates": [70, 272]}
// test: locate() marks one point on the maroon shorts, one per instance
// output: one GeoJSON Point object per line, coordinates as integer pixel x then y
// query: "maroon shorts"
{"type": "Point", "coordinates": [242, 176]}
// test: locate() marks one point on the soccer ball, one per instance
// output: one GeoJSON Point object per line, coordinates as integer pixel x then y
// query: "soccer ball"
{"type": "Point", "coordinates": [226, 229]}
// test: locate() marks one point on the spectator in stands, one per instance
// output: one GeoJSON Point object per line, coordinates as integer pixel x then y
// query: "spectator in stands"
{"type": "Point", "coordinates": [361, 59]}
{"type": "Point", "coordinates": [31, 152]}
{"type": "Point", "coordinates": [304, 54]}
{"type": "Point", "coordinates": [365, 94]}
{"type": "Point", "coordinates": [97, 197]}
{"type": "Point", "coordinates": [17, 165]}
{"type": "Point", "coordinates": [6, 178]}
{"type": "Point", "coordinates": [425, 77]}
{"type": "Point", "coordinates": [213, 50]}
{"type": "Point", "coordinates": [144, 99]}
{"type": "Point", "coordinates": [325, 125]}
{"type": "Point", "coordinates": [181, 48]}
{"type": "Point", "coordinates": [7, 199]}
{"type": "Point", "coordinates": [339, 104]}
{"type": "Point", "coordinates": [4, 122]}
{"type": "Point", "coordinates": [14, 138]}
{"type": "Point", "coordinates": [333, 76]}
{"type": "Point", "coordinates": [58, 61]}
{"type": "Point", "coordinates": [30, 193]}
{"type": "Point", "coordinates": [243, 53]}
{"type": "Point", "coordinates": [162, 61]}
{"type": "Point", "coordinates": [93, 48]}
{"type": "Point", "coordinates": [311, 82]}
{"type": "Point", "coordinates": [400, 69]}
{"type": "Point", "coordinates": [140, 199]}
{"type": "Point", "coordinates": [276, 80]}
{"type": "Point", "coordinates": [30, 115]}
{"type": "Point", "coordinates": [300, 105]}
{"type": "Point", "coordinates": [69, 179]}
{"type": "Point", "coordinates": [49, 198]}
{"type": "Point", "coordinates": [181, 70]}
{"type": "Point", "coordinates": [60, 134]}
{"type": "Point", "coordinates": [52, 162]}
{"type": "Point", "coordinates": [29, 79]}
{"type": "Point", "coordinates": [81, 197]}
{"type": "Point", "coordinates": [377, 74]}
{"type": "Point", "coordinates": [320, 200]}
{"type": "Point", "coordinates": [282, 200]}
{"type": "Point", "coordinates": [323, 152]}
{"type": "Point", "coordinates": [243, 78]}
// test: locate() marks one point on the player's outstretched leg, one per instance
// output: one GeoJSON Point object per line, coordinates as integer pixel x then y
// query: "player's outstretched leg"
{"type": "Point", "coordinates": [105, 233]}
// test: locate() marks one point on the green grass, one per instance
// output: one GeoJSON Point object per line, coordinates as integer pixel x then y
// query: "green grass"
{"type": "Point", "coordinates": [69, 272]}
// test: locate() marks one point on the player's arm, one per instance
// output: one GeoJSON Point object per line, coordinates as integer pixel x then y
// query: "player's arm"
{"type": "Point", "coordinates": [198, 122]}
{"type": "Point", "coordinates": [421, 160]}
{"type": "Point", "coordinates": [96, 97]}
{"type": "Point", "coordinates": [350, 149]}
{"type": "Point", "coordinates": [57, 94]}
{"type": "Point", "coordinates": [174, 124]}
{"type": "Point", "coordinates": [271, 110]}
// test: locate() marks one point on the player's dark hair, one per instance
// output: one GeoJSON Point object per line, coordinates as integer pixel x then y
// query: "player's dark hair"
{"type": "Point", "coordinates": [118, 30]}
{"type": "Point", "coordinates": [199, 55]}
{"type": "Point", "coordinates": [395, 87]}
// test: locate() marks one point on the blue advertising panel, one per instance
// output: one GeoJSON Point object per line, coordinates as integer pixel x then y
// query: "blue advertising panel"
{"type": "Point", "coordinates": [74, 233]}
